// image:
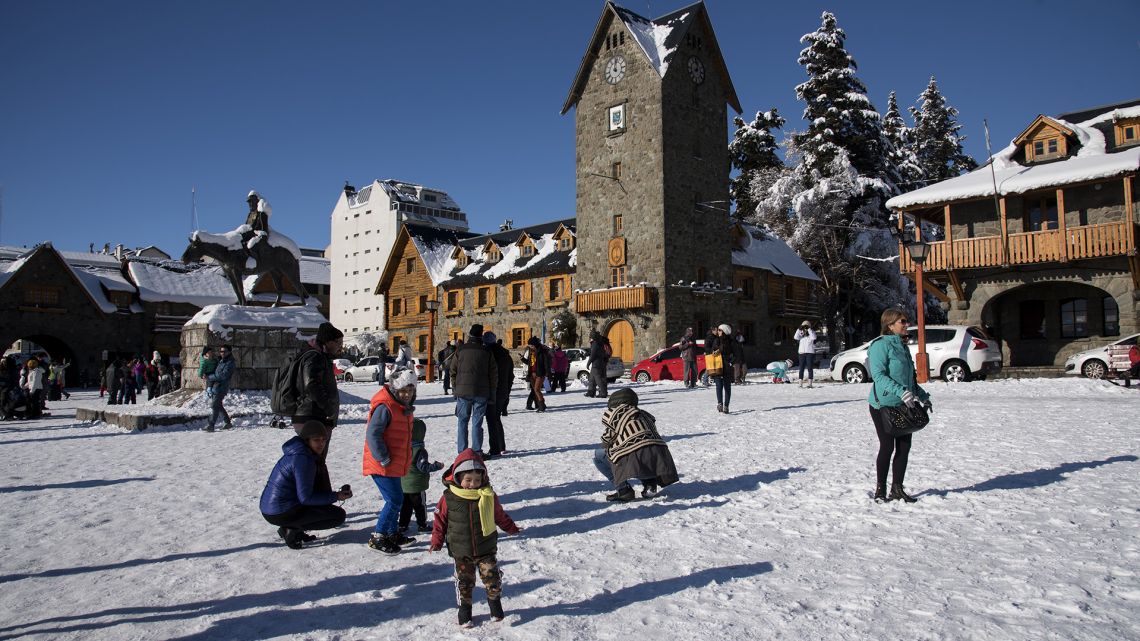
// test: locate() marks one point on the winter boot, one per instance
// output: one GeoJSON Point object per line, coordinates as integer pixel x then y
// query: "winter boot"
{"type": "Point", "coordinates": [623, 495]}
{"type": "Point", "coordinates": [399, 539]}
{"type": "Point", "coordinates": [648, 490]}
{"type": "Point", "coordinates": [228, 426]}
{"type": "Point", "coordinates": [496, 609]}
{"type": "Point", "coordinates": [726, 409]}
{"type": "Point", "coordinates": [880, 493]}
{"type": "Point", "coordinates": [465, 615]}
{"type": "Point", "coordinates": [292, 537]}
{"type": "Point", "coordinates": [719, 407]}
{"type": "Point", "coordinates": [898, 493]}
{"type": "Point", "coordinates": [801, 382]}
{"type": "Point", "coordinates": [810, 383]}
{"type": "Point", "coordinates": [383, 543]}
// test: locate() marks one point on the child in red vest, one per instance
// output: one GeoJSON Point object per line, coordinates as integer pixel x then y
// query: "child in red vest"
{"type": "Point", "coordinates": [388, 455]}
{"type": "Point", "coordinates": [465, 519]}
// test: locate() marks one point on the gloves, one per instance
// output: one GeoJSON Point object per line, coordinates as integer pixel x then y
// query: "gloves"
{"type": "Point", "coordinates": [909, 399]}
{"type": "Point", "coordinates": [929, 406]}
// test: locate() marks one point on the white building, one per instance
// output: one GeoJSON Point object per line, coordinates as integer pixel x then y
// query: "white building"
{"type": "Point", "coordinates": [364, 228]}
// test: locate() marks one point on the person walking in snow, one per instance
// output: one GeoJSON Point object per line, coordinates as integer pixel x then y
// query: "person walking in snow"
{"type": "Point", "coordinates": [559, 368]}
{"type": "Point", "coordinates": [724, 345]}
{"type": "Point", "coordinates": [806, 337]}
{"type": "Point", "coordinates": [415, 482]}
{"type": "Point", "coordinates": [130, 382]}
{"type": "Point", "coordinates": [497, 404]}
{"type": "Point", "coordinates": [466, 518]}
{"type": "Point", "coordinates": [298, 495]}
{"type": "Point", "coordinates": [596, 362]}
{"type": "Point", "coordinates": [688, 347]}
{"type": "Point", "coordinates": [219, 383]}
{"type": "Point", "coordinates": [388, 455]}
{"type": "Point", "coordinates": [892, 384]}
{"type": "Point", "coordinates": [537, 369]}
{"type": "Point", "coordinates": [113, 379]}
{"type": "Point", "coordinates": [444, 357]}
{"type": "Point", "coordinates": [632, 449]}
{"type": "Point", "coordinates": [475, 380]}
{"type": "Point", "coordinates": [33, 384]}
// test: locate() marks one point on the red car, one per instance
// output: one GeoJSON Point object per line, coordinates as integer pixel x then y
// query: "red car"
{"type": "Point", "coordinates": [666, 365]}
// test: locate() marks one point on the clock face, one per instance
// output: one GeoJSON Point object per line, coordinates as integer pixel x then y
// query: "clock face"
{"type": "Point", "coordinates": [615, 70]}
{"type": "Point", "coordinates": [696, 70]}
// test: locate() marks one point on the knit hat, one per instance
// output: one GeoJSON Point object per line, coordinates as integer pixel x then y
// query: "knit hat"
{"type": "Point", "coordinates": [404, 379]}
{"type": "Point", "coordinates": [476, 330]}
{"type": "Point", "coordinates": [534, 341]}
{"type": "Point", "coordinates": [805, 324]}
{"type": "Point", "coordinates": [469, 465]}
{"type": "Point", "coordinates": [726, 328]}
{"type": "Point", "coordinates": [312, 429]}
{"type": "Point", "coordinates": [327, 332]}
{"type": "Point", "coordinates": [624, 396]}
{"type": "Point", "coordinates": [489, 339]}
{"type": "Point", "coordinates": [788, 362]}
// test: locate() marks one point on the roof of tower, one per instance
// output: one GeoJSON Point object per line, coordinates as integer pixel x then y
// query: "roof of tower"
{"type": "Point", "coordinates": [658, 40]}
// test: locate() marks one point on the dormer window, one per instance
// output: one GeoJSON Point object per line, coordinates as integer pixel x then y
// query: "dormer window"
{"type": "Point", "coordinates": [528, 250]}
{"type": "Point", "coordinates": [494, 255]}
{"type": "Point", "coordinates": [565, 244]}
{"type": "Point", "coordinates": [1127, 132]}
{"type": "Point", "coordinates": [460, 258]}
{"type": "Point", "coordinates": [1045, 139]}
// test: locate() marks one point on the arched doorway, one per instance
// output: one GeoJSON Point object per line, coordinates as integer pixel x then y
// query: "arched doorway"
{"type": "Point", "coordinates": [620, 335]}
{"type": "Point", "coordinates": [56, 350]}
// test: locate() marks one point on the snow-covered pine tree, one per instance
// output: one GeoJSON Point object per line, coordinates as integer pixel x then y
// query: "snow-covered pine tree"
{"type": "Point", "coordinates": [753, 153]}
{"type": "Point", "coordinates": [834, 195]}
{"type": "Point", "coordinates": [901, 150]}
{"type": "Point", "coordinates": [936, 142]}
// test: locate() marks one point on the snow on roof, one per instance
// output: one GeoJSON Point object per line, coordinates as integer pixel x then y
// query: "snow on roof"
{"type": "Point", "coordinates": [92, 283]}
{"type": "Point", "coordinates": [652, 35]}
{"type": "Point", "coordinates": [222, 319]}
{"type": "Point", "coordinates": [546, 258]}
{"type": "Point", "coordinates": [1091, 162]}
{"type": "Point", "coordinates": [7, 268]}
{"type": "Point", "coordinates": [763, 250]}
{"type": "Point", "coordinates": [176, 282]}
{"type": "Point", "coordinates": [414, 193]}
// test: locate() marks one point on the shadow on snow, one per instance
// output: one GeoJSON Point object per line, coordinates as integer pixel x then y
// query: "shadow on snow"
{"type": "Point", "coordinates": [72, 484]}
{"type": "Point", "coordinates": [1035, 478]}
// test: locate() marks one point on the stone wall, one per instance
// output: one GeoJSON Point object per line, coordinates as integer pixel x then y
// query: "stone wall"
{"type": "Point", "coordinates": [259, 351]}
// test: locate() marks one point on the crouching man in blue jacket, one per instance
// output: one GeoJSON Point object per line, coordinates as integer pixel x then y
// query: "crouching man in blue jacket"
{"type": "Point", "coordinates": [298, 495]}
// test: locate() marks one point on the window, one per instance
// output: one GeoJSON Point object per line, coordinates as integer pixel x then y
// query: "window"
{"type": "Point", "coordinates": [494, 255]}
{"type": "Point", "coordinates": [430, 198]}
{"type": "Point", "coordinates": [455, 334]}
{"type": "Point", "coordinates": [122, 300]}
{"type": "Point", "coordinates": [617, 225]}
{"type": "Point", "coordinates": [453, 301]}
{"type": "Point", "coordinates": [748, 331]}
{"type": "Point", "coordinates": [1045, 148]}
{"type": "Point", "coordinates": [617, 276]}
{"type": "Point", "coordinates": [702, 275]}
{"type": "Point", "coordinates": [555, 289]}
{"type": "Point", "coordinates": [1032, 316]}
{"type": "Point", "coordinates": [615, 170]}
{"type": "Point", "coordinates": [528, 250]}
{"type": "Point", "coordinates": [1074, 318]}
{"type": "Point", "coordinates": [518, 293]}
{"type": "Point", "coordinates": [1040, 213]}
{"type": "Point", "coordinates": [519, 336]}
{"type": "Point", "coordinates": [421, 343]}
{"type": "Point", "coordinates": [748, 288]}
{"type": "Point", "coordinates": [397, 305]}
{"type": "Point", "coordinates": [409, 265]}
{"type": "Point", "coordinates": [423, 304]}
{"type": "Point", "coordinates": [485, 298]}
{"type": "Point", "coordinates": [1111, 316]}
{"type": "Point", "coordinates": [564, 244]}
{"type": "Point", "coordinates": [461, 259]}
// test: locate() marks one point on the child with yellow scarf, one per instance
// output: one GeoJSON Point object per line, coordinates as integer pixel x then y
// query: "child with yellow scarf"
{"type": "Point", "coordinates": [466, 518]}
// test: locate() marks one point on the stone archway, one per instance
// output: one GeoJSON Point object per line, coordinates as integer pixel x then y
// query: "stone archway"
{"type": "Point", "coordinates": [620, 335]}
{"type": "Point", "coordinates": [57, 351]}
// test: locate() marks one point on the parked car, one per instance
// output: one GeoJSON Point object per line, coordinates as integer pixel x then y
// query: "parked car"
{"type": "Point", "coordinates": [340, 365]}
{"type": "Point", "coordinates": [1093, 363]}
{"type": "Point", "coordinates": [366, 369]}
{"type": "Point", "coordinates": [390, 366]}
{"type": "Point", "coordinates": [667, 365]}
{"type": "Point", "coordinates": [577, 357]}
{"type": "Point", "coordinates": [955, 353]}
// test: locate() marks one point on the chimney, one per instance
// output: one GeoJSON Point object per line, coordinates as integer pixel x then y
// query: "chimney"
{"type": "Point", "coordinates": [507, 225]}
{"type": "Point", "coordinates": [119, 251]}
{"type": "Point", "coordinates": [349, 190]}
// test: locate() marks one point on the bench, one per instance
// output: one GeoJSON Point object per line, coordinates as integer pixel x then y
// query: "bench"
{"type": "Point", "coordinates": [1119, 365]}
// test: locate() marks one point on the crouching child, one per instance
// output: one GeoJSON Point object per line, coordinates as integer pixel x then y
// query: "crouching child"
{"type": "Point", "coordinates": [465, 519]}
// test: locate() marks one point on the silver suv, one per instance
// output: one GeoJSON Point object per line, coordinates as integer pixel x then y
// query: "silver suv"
{"type": "Point", "coordinates": [955, 353]}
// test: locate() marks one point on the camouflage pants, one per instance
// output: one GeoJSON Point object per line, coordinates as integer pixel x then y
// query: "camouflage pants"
{"type": "Point", "coordinates": [489, 573]}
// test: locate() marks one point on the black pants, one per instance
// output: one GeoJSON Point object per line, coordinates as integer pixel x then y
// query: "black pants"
{"type": "Point", "coordinates": [898, 445]}
{"type": "Point", "coordinates": [35, 404]}
{"type": "Point", "coordinates": [414, 502]}
{"type": "Point", "coordinates": [309, 517]}
{"type": "Point", "coordinates": [598, 382]}
{"type": "Point", "coordinates": [495, 433]}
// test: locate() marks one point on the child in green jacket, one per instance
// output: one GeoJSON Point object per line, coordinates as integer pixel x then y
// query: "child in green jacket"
{"type": "Point", "coordinates": [415, 482]}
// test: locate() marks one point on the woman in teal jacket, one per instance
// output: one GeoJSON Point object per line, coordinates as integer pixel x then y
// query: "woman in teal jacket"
{"type": "Point", "coordinates": [892, 385]}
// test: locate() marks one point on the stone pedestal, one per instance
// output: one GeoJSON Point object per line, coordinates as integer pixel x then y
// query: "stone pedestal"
{"type": "Point", "coordinates": [262, 339]}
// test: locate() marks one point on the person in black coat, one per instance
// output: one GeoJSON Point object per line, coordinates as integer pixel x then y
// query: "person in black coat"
{"type": "Point", "coordinates": [596, 362]}
{"type": "Point", "coordinates": [537, 369]}
{"type": "Point", "coordinates": [724, 344]}
{"type": "Point", "coordinates": [497, 407]}
{"type": "Point", "coordinates": [317, 396]}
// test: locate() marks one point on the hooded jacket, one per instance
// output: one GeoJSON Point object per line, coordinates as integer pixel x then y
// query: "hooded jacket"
{"type": "Point", "coordinates": [892, 372]}
{"type": "Point", "coordinates": [317, 398]}
{"type": "Point", "coordinates": [457, 520]}
{"type": "Point", "coordinates": [295, 480]}
{"type": "Point", "coordinates": [418, 477]}
{"type": "Point", "coordinates": [474, 372]}
{"type": "Point", "coordinates": [220, 379]}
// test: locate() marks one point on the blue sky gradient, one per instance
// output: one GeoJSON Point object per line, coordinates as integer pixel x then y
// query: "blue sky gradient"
{"type": "Point", "coordinates": [112, 111]}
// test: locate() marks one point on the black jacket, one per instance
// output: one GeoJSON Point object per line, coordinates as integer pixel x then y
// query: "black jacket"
{"type": "Point", "coordinates": [598, 356]}
{"type": "Point", "coordinates": [317, 397]}
{"type": "Point", "coordinates": [539, 363]}
{"type": "Point", "coordinates": [506, 367]}
{"type": "Point", "coordinates": [473, 371]}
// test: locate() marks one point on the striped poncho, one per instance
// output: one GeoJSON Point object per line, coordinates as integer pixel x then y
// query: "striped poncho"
{"type": "Point", "coordinates": [628, 429]}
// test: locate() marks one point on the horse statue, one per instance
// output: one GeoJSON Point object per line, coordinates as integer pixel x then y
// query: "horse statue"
{"type": "Point", "coordinates": [244, 252]}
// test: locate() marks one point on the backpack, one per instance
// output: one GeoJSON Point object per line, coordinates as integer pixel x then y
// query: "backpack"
{"type": "Point", "coordinates": [284, 398]}
{"type": "Point", "coordinates": [609, 350]}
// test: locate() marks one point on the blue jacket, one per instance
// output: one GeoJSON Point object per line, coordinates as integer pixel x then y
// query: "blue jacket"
{"type": "Point", "coordinates": [292, 480]}
{"type": "Point", "coordinates": [220, 379]}
{"type": "Point", "coordinates": [892, 372]}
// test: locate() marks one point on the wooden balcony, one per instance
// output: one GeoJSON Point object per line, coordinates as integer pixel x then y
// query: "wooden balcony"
{"type": "Point", "coordinates": [1054, 245]}
{"type": "Point", "coordinates": [800, 308]}
{"type": "Point", "coordinates": [619, 298]}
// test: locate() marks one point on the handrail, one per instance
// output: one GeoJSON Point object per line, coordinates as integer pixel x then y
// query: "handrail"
{"type": "Point", "coordinates": [1087, 241]}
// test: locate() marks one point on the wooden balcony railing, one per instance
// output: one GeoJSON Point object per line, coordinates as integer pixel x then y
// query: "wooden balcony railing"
{"type": "Point", "coordinates": [793, 307]}
{"type": "Point", "coordinates": [619, 298]}
{"type": "Point", "coordinates": [1075, 243]}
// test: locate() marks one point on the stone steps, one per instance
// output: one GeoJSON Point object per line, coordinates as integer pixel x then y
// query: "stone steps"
{"type": "Point", "coordinates": [1037, 371]}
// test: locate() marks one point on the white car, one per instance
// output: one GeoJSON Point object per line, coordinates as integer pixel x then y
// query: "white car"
{"type": "Point", "coordinates": [955, 353]}
{"type": "Point", "coordinates": [366, 369]}
{"type": "Point", "coordinates": [421, 367]}
{"type": "Point", "coordinates": [1093, 363]}
{"type": "Point", "coordinates": [578, 355]}
{"type": "Point", "coordinates": [339, 367]}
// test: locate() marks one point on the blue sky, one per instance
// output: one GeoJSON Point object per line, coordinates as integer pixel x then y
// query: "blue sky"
{"type": "Point", "coordinates": [112, 111]}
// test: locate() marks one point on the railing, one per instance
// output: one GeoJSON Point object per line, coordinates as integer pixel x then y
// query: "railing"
{"type": "Point", "coordinates": [619, 298]}
{"type": "Point", "coordinates": [1090, 241]}
{"type": "Point", "coordinates": [793, 307]}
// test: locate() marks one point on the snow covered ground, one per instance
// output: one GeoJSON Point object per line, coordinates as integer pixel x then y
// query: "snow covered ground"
{"type": "Point", "coordinates": [1026, 526]}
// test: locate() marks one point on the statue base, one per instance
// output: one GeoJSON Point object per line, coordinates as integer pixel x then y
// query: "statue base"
{"type": "Point", "coordinates": [262, 339]}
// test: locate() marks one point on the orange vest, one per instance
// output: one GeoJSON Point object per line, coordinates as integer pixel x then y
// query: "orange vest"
{"type": "Point", "coordinates": [397, 437]}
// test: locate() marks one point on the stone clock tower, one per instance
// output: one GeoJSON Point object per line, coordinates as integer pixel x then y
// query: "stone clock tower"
{"type": "Point", "coordinates": [652, 178]}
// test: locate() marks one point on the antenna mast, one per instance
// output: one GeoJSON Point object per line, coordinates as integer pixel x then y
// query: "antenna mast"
{"type": "Point", "coordinates": [193, 211]}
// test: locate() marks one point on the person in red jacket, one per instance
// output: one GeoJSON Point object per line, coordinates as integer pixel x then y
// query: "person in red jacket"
{"type": "Point", "coordinates": [1134, 361]}
{"type": "Point", "coordinates": [388, 455]}
{"type": "Point", "coordinates": [466, 518]}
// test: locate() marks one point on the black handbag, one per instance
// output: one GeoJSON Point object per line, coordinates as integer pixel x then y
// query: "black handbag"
{"type": "Point", "coordinates": [902, 420]}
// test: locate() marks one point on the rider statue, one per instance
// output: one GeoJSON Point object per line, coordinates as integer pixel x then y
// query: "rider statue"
{"type": "Point", "coordinates": [258, 216]}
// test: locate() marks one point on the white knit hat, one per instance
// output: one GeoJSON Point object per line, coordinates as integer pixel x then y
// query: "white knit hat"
{"type": "Point", "coordinates": [404, 379]}
{"type": "Point", "coordinates": [725, 328]}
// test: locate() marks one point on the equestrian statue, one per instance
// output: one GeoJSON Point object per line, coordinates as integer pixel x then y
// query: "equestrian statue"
{"type": "Point", "coordinates": [251, 249]}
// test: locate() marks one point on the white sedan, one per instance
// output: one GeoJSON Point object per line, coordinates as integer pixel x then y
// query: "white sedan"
{"type": "Point", "coordinates": [578, 355]}
{"type": "Point", "coordinates": [1093, 363]}
{"type": "Point", "coordinates": [955, 352]}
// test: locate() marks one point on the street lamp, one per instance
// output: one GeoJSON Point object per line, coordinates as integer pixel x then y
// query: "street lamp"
{"type": "Point", "coordinates": [918, 251]}
{"type": "Point", "coordinates": [432, 307]}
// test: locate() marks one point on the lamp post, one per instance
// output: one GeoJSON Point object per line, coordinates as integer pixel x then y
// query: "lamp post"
{"type": "Point", "coordinates": [432, 308]}
{"type": "Point", "coordinates": [918, 250]}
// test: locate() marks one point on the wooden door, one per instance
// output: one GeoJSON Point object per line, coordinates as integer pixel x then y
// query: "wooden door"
{"type": "Point", "coordinates": [620, 336]}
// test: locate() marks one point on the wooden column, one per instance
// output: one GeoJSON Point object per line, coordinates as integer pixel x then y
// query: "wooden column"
{"type": "Point", "coordinates": [1004, 234]}
{"type": "Point", "coordinates": [1064, 248]}
{"type": "Point", "coordinates": [1129, 216]}
{"type": "Point", "coordinates": [949, 238]}
{"type": "Point", "coordinates": [902, 250]}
